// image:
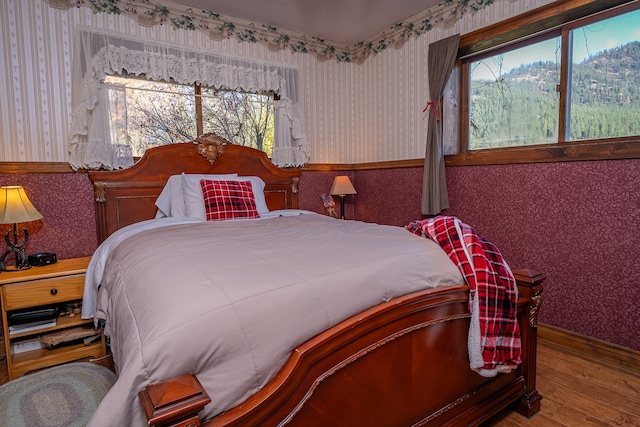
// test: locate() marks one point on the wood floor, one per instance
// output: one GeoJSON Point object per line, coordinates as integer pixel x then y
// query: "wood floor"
{"type": "Point", "coordinates": [577, 392]}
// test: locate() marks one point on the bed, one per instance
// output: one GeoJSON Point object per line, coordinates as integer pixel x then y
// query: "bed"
{"type": "Point", "coordinates": [398, 357]}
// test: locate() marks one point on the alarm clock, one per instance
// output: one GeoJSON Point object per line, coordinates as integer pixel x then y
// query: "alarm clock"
{"type": "Point", "coordinates": [41, 259]}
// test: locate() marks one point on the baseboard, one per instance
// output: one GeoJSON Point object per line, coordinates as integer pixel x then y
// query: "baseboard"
{"type": "Point", "coordinates": [591, 348]}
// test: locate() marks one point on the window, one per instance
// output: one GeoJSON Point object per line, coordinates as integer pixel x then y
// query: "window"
{"type": "Point", "coordinates": [604, 86]}
{"type": "Point", "coordinates": [576, 83]}
{"type": "Point", "coordinates": [102, 127]}
{"type": "Point", "coordinates": [513, 99]}
{"type": "Point", "coordinates": [144, 114]}
{"type": "Point", "coordinates": [244, 118]}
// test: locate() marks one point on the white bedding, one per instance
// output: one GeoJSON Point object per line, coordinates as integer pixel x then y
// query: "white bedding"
{"type": "Point", "coordinates": [95, 270]}
{"type": "Point", "coordinates": [229, 300]}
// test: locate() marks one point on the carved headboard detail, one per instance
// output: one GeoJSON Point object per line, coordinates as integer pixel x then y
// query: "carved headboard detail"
{"type": "Point", "coordinates": [128, 196]}
{"type": "Point", "coordinates": [210, 146]}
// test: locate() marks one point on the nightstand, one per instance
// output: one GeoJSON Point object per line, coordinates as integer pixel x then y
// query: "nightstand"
{"type": "Point", "coordinates": [43, 288]}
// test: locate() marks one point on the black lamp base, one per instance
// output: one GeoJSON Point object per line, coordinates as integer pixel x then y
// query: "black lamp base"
{"type": "Point", "coordinates": [341, 207]}
{"type": "Point", "coordinates": [21, 261]}
{"type": "Point", "coordinates": [17, 249]}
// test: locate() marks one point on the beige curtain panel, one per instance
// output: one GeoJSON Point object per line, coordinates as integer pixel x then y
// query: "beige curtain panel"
{"type": "Point", "coordinates": [442, 57]}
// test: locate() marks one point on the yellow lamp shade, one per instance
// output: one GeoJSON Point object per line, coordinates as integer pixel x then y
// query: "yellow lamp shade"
{"type": "Point", "coordinates": [15, 206]}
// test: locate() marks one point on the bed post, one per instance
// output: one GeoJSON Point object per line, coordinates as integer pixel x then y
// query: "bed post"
{"type": "Point", "coordinates": [529, 301]}
{"type": "Point", "coordinates": [99, 193]}
{"type": "Point", "coordinates": [174, 403]}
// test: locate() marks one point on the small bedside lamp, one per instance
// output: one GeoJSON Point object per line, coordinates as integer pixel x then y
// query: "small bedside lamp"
{"type": "Point", "coordinates": [341, 187]}
{"type": "Point", "coordinates": [15, 207]}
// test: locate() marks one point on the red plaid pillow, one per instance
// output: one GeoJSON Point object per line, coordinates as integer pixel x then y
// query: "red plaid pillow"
{"type": "Point", "coordinates": [228, 200]}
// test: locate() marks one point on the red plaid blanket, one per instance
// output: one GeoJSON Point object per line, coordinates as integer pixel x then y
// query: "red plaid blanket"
{"type": "Point", "coordinates": [494, 335]}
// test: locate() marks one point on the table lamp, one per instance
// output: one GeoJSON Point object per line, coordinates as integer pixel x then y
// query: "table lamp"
{"type": "Point", "coordinates": [15, 207]}
{"type": "Point", "coordinates": [341, 187]}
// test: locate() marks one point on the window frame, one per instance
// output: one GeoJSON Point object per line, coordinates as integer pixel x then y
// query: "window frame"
{"type": "Point", "coordinates": [559, 17]}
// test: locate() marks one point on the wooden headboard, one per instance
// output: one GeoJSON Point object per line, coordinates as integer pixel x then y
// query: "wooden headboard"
{"type": "Point", "coordinates": [128, 196]}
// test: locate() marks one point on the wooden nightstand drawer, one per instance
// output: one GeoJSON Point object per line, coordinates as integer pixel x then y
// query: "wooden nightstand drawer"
{"type": "Point", "coordinates": [44, 291]}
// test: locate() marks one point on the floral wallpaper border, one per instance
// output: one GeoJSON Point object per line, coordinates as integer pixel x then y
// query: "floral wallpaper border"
{"type": "Point", "coordinates": [155, 12]}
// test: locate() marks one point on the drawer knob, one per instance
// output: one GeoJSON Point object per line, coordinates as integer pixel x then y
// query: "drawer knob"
{"type": "Point", "coordinates": [54, 291]}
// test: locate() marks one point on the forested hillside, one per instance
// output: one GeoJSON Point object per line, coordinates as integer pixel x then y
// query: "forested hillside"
{"type": "Point", "coordinates": [521, 107]}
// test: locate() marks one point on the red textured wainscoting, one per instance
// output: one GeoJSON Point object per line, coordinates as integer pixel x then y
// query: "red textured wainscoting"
{"type": "Point", "coordinates": [577, 222]}
{"type": "Point", "coordinates": [65, 200]}
{"type": "Point", "coordinates": [385, 196]}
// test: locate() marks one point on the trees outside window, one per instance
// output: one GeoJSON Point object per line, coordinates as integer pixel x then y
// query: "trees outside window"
{"type": "Point", "coordinates": [579, 82]}
{"type": "Point", "coordinates": [145, 114]}
{"type": "Point", "coordinates": [244, 118]}
{"type": "Point", "coordinates": [513, 97]}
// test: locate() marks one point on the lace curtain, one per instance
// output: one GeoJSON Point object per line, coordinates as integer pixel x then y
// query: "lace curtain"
{"type": "Point", "coordinates": [98, 54]}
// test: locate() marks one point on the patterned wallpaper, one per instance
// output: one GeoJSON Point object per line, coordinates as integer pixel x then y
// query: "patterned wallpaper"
{"type": "Point", "coordinates": [354, 113]}
{"type": "Point", "coordinates": [219, 27]}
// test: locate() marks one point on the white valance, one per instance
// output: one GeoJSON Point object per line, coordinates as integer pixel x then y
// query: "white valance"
{"type": "Point", "coordinates": [98, 54]}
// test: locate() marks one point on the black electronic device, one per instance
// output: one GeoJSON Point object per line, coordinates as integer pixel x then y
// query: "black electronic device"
{"type": "Point", "coordinates": [43, 258]}
{"type": "Point", "coordinates": [30, 316]}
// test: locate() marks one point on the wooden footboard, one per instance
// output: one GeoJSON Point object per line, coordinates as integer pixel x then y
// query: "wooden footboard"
{"type": "Point", "coordinates": [401, 363]}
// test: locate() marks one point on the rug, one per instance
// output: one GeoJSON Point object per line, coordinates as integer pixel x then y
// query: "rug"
{"type": "Point", "coordinates": [61, 396]}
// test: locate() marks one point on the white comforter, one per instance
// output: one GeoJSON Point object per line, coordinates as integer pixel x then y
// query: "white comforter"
{"type": "Point", "coordinates": [229, 301]}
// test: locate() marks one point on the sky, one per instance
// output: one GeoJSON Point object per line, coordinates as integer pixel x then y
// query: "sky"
{"type": "Point", "coordinates": [588, 40]}
{"type": "Point", "coordinates": [607, 34]}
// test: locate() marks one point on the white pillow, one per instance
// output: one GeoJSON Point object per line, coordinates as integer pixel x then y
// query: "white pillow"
{"type": "Point", "coordinates": [171, 201]}
{"type": "Point", "coordinates": [194, 201]}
